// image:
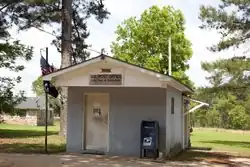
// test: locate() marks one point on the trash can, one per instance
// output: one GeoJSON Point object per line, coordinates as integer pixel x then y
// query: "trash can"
{"type": "Point", "coordinates": [149, 139]}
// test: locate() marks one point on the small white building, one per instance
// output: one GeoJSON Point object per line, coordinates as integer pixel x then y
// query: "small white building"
{"type": "Point", "coordinates": [107, 100]}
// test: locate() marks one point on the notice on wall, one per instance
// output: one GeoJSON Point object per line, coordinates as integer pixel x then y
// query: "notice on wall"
{"type": "Point", "coordinates": [105, 79]}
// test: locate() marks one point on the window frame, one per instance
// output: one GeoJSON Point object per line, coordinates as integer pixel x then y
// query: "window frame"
{"type": "Point", "coordinates": [172, 105]}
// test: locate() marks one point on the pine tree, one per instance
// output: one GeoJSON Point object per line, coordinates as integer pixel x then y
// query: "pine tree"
{"type": "Point", "coordinates": [230, 19]}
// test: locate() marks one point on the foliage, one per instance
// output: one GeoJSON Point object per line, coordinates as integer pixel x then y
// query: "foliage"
{"type": "Point", "coordinates": [37, 86]}
{"type": "Point", "coordinates": [38, 89]}
{"type": "Point", "coordinates": [229, 78]}
{"type": "Point", "coordinates": [144, 41]}
{"type": "Point", "coordinates": [228, 95]}
{"type": "Point", "coordinates": [38, 13]}
{"type": "Point", "coordinates": [230, 19]}
{"type": "Point", "coordinates": [10, 53]}
{"type": "Point", "coordinates": [238, 118]}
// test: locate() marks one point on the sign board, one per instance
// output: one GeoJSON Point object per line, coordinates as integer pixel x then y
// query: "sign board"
{"type": "Point", "coordinates": [147, 141]}
{"type": "Point", "coordinates": [105, 79]}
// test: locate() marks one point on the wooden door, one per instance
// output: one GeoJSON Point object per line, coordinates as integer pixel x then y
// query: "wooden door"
{"type": "Point", "coordinates": [96, 122]}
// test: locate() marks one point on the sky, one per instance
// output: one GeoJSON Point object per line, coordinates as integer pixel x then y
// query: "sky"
{"type": "Point", "coordinates": [101, 36]}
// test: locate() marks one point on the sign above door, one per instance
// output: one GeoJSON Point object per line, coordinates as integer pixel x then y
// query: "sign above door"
{"type": "Point", "coordinates": [105, 79]}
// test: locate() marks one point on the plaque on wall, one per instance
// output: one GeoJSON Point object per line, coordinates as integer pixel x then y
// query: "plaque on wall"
{"type": "Point", "coordinates": [105, 79]}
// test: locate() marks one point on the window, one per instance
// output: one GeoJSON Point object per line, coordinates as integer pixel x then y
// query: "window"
{"type": "Point", "coordinates": [172, 105]}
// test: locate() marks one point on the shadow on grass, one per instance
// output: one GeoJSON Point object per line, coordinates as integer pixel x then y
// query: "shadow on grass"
{"type": "Point", "coordinates": [201, 148]}
{"type": "Point", "coordinates": [230, 143]}
{"type": "Point", "coordinates": [208, 156]}
{"type": "Point", "coordinates": [31, 148]}
{"type": "Point", "coordinates": [195, 155]}
{"type": "Point", "coordinates": [12, 133]}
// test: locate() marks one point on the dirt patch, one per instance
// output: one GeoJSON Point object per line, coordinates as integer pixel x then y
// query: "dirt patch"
{"type": "Point", "coordinates": [73, 160]}
{"type": "Point", "coordinates": [211, 157]}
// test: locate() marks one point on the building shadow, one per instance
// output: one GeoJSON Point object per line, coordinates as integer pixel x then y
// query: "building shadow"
{"type": "Point", "coordinates": [12, 133]}
{"type": "Point", "coordinates": [31, 148]}
{"type": "Point", "coordinates": [208, 156]}
{"type": "Point", "coordinates": [204, 156]}
{"type": "Point", "coordinates": [244, 144]}
{"type": "Point", "coordinates": [198, 155]}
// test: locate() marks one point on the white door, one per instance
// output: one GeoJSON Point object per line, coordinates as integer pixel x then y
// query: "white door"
{"type": "Point", "coordinates": [96, 122]}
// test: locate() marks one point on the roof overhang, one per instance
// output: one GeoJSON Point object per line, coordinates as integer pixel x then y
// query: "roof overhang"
{"type": "Point", "coordinates": [163, 78]}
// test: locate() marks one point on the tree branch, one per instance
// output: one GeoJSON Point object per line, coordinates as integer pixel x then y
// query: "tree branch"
{"type": "Point", "coordinates": [5, 6]}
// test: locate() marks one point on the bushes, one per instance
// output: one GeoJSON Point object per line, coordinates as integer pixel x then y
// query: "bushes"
{"type": "Point", "coordinates": [234, 118]}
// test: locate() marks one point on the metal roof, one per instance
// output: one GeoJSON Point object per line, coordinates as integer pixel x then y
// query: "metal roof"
{"type": "Point", "coordinates": [34, 103]}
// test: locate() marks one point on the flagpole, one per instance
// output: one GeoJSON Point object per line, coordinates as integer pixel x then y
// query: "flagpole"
{"type": "Point", "coordinates": [169, 57]}
{"type": "Point", "coordinates": [46, 110]}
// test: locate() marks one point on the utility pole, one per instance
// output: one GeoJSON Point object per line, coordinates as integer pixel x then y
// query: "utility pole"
{"type": "Point", "coordinates": [169, 57]}
{"type": "Point", "coordinates": [65, 57]}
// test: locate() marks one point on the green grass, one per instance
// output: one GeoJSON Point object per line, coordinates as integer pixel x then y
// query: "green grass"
{"type": "Point", "coordinates": [29, 139]}
{"type": "Point", "coordinates": [224, 145]}
{"type": "Point", "coordinates": [222, 140]}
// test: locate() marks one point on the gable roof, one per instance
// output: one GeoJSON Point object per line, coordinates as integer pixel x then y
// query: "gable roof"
{"type": "Point", "coordinates": [32, 103]}
{"type": "Point", "coordinates": [103, 57]}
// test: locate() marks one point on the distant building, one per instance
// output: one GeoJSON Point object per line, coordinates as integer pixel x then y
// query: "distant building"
{"type": "Point", "coordinates": [32, 111]}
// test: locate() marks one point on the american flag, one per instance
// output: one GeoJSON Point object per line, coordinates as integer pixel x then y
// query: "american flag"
{"type": "Point", "coordinates": [46, 68]}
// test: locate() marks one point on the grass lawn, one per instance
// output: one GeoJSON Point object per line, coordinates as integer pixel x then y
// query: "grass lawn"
{"type": "Point", "coordinates": [225, 145]}
{"type": "Point", "coordinates": [222, 140]}
{"type": "Point", "coordinates": [29, 139]}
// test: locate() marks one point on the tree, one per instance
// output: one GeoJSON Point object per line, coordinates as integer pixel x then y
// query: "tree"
{"type": "Point", "coordinates": [228, 94]}
{"type": "Point", "coordinates": [233, 25]}
{"type": "Point", "coordinates": [38, 13]}
{"type": "Point", "coordinates": [144, 41]}
{"type": "Point", "coordinates": [228, 72]}
{"type": "Point", "coordinates": [38, 89]}
{"type": "Point", "coordinates": [10, 52]}
{"type": "Point", "coordinates": [230, 19]}
{"type": "Point", "coordinates": [238, 118]}
{"type": "Point", "coordinates": [70, 37]}
{"type": "Point", "coordinates": [229, 78]}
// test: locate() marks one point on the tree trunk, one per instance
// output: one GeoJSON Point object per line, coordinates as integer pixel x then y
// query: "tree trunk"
{"type": "Point", "coordinates": [63, 115]}
{"type": "Point", "coordinates": [65, 58]}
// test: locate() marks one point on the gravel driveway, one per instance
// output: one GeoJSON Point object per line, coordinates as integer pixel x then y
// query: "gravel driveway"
{"type": "Point", "coordinates": [39, 160]}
